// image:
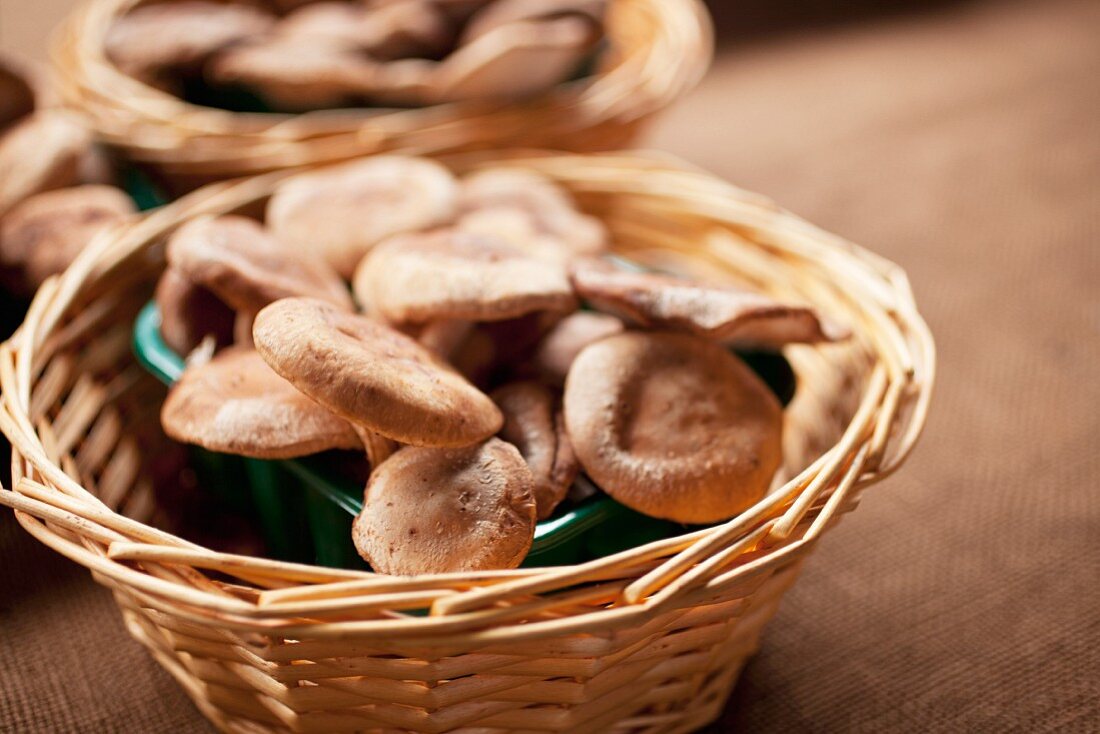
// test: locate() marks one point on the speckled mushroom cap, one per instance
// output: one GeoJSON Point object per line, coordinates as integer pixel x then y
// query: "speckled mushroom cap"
{"type": "Point", "coordinates": [189, 313]}
{"type": "Point", "coordinates": [41, 152]}
{"type": "Point", "coordinates": [245, 266]}
{"type": "Point", "coordinates": [514, 61]}
{"type": "Point", "coordinates": [44, 233]}
{"type": "Point", "coordinates": [340, 213]}
{"type": "Point", "coordinates": [455, 275]}
{"type": "Point", "coordinates": [410, 28]}
{"type": "Point", "coordinates": [503, 12]}
{"type": "Point", "coordinates": [236, 404]}
{"type": "Point", "coordinates": [295, 73]}
{"type": "Point", "coordinates": [722, 313]}
{"type": "Point", "coordinates": [372, 375]}
{"type": "Point", "coordinates": [530, 212]}
{"type": "Point", "coordinates": [672, 425]}
{"type": "Point", "coordinates": [152, 39]}
{"type": "Point", "coordinates": [533, 426]}
{"type": "Point", "coordinates": [558, 349]}
{"type": "Point", "coordinates": [438, 510]}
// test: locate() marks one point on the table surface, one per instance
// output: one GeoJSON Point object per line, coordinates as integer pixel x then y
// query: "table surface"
{"type": "Point", "coordinates": [963, 594]}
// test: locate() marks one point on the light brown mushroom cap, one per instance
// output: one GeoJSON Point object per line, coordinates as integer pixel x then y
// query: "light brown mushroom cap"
{"type": "Point", "coordinates": [399, 30]}
{"type": "Point", "coordinates": [721, 313]}
{"type": "Point", "coordinates": [440, 510]}
{"type": "Point", "coordinates": [248, 268]}
{"type": "Point", "coordinates": [565, 341]}
{"type": "Point", "coordinates": [672, 425]}
{"type": "Point", "coordinates": [372, 375]}
{"type": "Point", "coordinates": [533, 426]}
{"type": "Point", "coordinates": [531, 212]}
{"type": "Point", "coordinates": [458, 11]}
{"type": "Point", "coordinates": [513, 61]}
{"type": "Point", "coordinates": [17, 94]}
{"type": "Point", "coordinates": [236, 404]}
{"type": "Point", "coordinates": [447, 274]}
{"type": "Point", "coordinates": [296, 73]}
{"type": "Point", "coordinates": [340, 213]}
{"type": "Point", "coordinates": [189, 313]}
{"type": "Point", "coordinates": [44, 233]}
{"type": "Point", "coordinates": [504, 12]}
{"type": "Point", "coordinates": [40, 153]}
{"type": "Point", "coordinates": [151, 39]}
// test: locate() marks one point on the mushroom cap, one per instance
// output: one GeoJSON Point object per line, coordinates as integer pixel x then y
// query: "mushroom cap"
{"type": "Point", "coordinates": [447, 274]}
{"type": "Point", "coordinates": [496, 349]}
{"type": "Point", "coordinates": [247, 268]}
{"type": "Point", "coordinates": [179, 35]}
{"type": "Point", "coordinates": [410, 28]}
{"type": "Point", "coordinates": [372, 375]}
{"type": "Point", "coordinates": [531, 212]}
{"type": "Point", "coordinates": [41, 152]}
{"type": "Point", "coordinates": [17, 94]}
{"type": "Point", "coordinates": [439, 510]}
{"type": "Point", "coordinates": [718, 312]}
{"type": "Point", "coordinates": [513, 61]}
{"type": "Point", "coordinates": [504, 12]}
{"type": "Point", "coordinates": [296, 72]}
{"type": "Point", "coordinates": [536, 428]}
{"type": "Point", "coordinates": [236, 404]}
{"type": "Point", "coordinates": [45, 232]}
{"type": "Point", "coordinates": [672, 425]}
{"type": "Point", "coordinates": [560, 347]}
{"type": "Point", "coordinates": [188, 313]}
{"type": "Point", "coordinates": [343, 211]}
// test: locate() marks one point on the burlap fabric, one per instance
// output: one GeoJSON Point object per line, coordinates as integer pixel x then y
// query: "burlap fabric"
{"type": "Point", "coordinates": [964, 594]}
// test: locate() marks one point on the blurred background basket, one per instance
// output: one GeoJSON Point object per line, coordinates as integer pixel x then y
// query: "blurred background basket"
{"type": "Point", "coordinates": [648, 640]}
{"type": "Point", "coordinates": [655, 51]}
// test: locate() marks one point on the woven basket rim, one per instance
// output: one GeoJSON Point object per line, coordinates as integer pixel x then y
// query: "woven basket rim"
{"type": "Point", "coordinates": [299, 599]}
{"type": "Point", "coordinates": [658, 49]}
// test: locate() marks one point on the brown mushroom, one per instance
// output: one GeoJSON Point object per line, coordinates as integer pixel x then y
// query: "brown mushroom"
{"type": "Point", "coordinates": [503, 12]}
{"type": "Point", "coordinates": [531, 212]}
{"type": "Point", "coordinates": [411, 28]}
{"type": "Point", "coordinates": [439, 510]}
{"type": "Point", "coordinates": [152, 40]}
{"type": "Point", "coordinates": [248, 268]}
{"type": "Point", "coordinates": [17, 94]}
{"type": "Point", "coordinates": [341, 212]}
{"type": "Point", "coordinates": [40, 153]}
{"type": "Point", "coordinates": [454, 275]}
{"type": "Point", "coordinates": [236, 404]}
{"type": "Point", "coordinates": [296, 74]}
{"type": "Point", "coordinates": [372, 375]}
{"type": "Point", "coordinates": [672, 425]}
{"type": "Point", "coordinates": [44, 233]}
{"type": "Point", "coordinates": [719, 312]}
{"type": "Point", "coordinates": [565, 341]}
{"type": "Point", "coordinates": [533, 426]}
{"type": "Point", "coordinates": [513, 61]}
{"type": "Point", "coordinates": [190, 313]}
{"type": "Point", "coordinates": [457, 11]}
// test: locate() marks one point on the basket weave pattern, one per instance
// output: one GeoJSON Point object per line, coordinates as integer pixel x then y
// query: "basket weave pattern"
{"type": "Point", "coordinates": [657, 50]}
{"type": "Point", "coordinates": [649, 640]}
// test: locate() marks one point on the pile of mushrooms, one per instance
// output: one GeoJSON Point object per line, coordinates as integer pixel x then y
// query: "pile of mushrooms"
{"type": "Point", "coordinates": [488, 355]}
{"type": "Point", "coordinates": [333, 53]}
{"type": "Point", "coordinates": [55, 192]}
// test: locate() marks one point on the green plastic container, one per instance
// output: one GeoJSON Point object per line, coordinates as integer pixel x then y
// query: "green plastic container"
{"type": "Point", "coordinates": [305, 510]}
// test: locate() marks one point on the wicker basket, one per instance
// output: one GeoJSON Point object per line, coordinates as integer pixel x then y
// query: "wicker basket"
{"type": "Point", "coordinates": [649, 640]}
{"type": "Point", "coordinates": [657, 49]}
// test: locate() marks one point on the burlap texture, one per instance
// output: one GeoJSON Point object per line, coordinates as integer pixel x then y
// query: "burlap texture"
{"type": "Point", "coordinates": [964, 594]}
